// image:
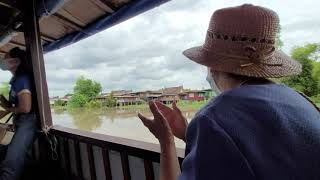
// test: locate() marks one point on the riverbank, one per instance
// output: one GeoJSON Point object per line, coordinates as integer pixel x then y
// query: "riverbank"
{"type": "Point", "coordinates": [183, 105]}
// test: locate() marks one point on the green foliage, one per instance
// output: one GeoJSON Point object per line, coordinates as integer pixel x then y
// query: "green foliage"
{"type": "Point", "coordinates": [306, 82]}
{"type": "Point", "coordinates": [111, 101]}
{"type": "Point", "coordinates": [279, 43]}
{"type": "Point", "coordinates": [187, 105]}
{"type": "Point", "coordinates": [87, 87]}
{"type": "Point", "coordinates": [59, 102]}
{"type": "Point", "coordinates": [93, 104]}
{"type": "Point", "coordinates": [85, 91]}
{"type": "Point", "coordinates": [316, 73]}
{"type": "Point", "coordinates": [316, 99]}
{"type": "Point", "coordinates": [4, 89]}
{"type": "Point", "coordinates": [78, 100]}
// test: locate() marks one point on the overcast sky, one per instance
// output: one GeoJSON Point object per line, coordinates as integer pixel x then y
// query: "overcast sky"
{"type": "Point", "coordinates": [145, 52]}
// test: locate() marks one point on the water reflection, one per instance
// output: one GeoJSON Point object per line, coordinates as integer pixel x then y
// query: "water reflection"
{"type": "Point", "coordinates": [116, 122]}
{"type": "Point", "coordinates": [87, 120]}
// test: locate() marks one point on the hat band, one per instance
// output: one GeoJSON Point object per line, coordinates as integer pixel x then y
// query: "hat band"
{"type": "Point", "coordinates": [250, 57]}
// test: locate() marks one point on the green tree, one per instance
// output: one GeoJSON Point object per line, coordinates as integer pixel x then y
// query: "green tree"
{"type": "Point", "coordinates": [87, 87]}
{"type": "Point", "coordinates": [111, 101]}
{"type": "Point", "coordinates": [279, 42]}
{"type": "Point", "coordinates": [4, 89]}
{"type": "Point", "coordinates": [78, 100]}
{"type": "Point", "coordinates": [59, 102]}
{"type": "Point", "coordinates": [93, 104]}
{"type": "Point", "coordinates": [306, 82]}
{"type": "Point", "coordinates": [85, 91]}
{"type": "Point", "coordinates": [316, 72]}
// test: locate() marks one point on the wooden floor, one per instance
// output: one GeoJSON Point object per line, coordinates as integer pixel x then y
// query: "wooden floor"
{"type": "Point", "coordinates": [42, 170]}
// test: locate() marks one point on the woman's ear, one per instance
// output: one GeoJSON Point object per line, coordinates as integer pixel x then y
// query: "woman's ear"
{"type": "Point", "coordinates": [18, 61]}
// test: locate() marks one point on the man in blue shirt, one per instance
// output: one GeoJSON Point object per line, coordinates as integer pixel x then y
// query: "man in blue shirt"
{"type": "Point", "coordinates": [254, 128]}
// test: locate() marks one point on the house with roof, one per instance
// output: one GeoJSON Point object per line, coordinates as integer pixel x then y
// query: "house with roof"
{"type": "Point", "coordinates": [193, 95]}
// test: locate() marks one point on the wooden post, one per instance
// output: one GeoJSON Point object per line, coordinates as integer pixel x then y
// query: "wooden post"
{"type": "Point", "coordinates": [34, 48]}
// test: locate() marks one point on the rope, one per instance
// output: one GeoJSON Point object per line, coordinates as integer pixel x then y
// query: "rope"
{"type": "Point", "coordinates": [45, 8]}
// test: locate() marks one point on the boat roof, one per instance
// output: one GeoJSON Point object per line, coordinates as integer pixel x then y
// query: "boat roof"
{"type": "Point", "coordinates": [64, 22]}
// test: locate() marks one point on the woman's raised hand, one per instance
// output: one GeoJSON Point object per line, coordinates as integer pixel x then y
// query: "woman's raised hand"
{"type": "Point", "coordinates": [158, 126]}
{"type": "Point", "coordinates": [172, 116]}
{"type": "Point", "coordinates": [175, 118]}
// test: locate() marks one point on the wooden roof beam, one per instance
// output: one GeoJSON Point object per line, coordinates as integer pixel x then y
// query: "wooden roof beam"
{"type": "Point", "coordinates": [10, 4]}
{"type": "Point", "coordinates": [109, 4]}
{"type": "Point", "coordinates": [67, 22]}
{"type": "Point", "coordinates": [47, 38]}
{"type": "Point", "coordinates": [14, 43]}
{"type": "Point", "coordinates": [104, 5]}
{"type": "Point", "coordinates": [2, 52]}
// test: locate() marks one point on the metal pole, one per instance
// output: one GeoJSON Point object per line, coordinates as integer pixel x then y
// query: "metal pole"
{"type": "Point", "coordinates": [34, 48]}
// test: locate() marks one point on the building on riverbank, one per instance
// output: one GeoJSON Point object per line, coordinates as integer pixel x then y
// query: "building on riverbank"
{"type": "Point", "coordinates": [52, 100]}
{"type": "Point", "coordinates": [193, 95]}
{"type": "Point", "coordinates": [168, 98]}
{"type": "Point", "coordinates": [147, 95]}
{"type": "Point", "coordinates": [164, 95]}
{"type": "Point", "coordinates": [208, 94]}
{"type": "Point", "coordinates": [126, 100]}
{"type": "Point", "coordinates": [61, 101]}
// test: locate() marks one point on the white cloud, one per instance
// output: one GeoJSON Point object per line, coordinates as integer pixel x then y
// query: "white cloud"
{"type": "Point", "coordinates": [145, 52]}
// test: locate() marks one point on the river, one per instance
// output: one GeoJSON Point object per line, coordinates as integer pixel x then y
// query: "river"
{"type": "Point", "coordinates": [116, 122]}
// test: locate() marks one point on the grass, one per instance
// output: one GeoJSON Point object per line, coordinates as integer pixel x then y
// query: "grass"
{"type": "Point", "coordinates": [183, 105]}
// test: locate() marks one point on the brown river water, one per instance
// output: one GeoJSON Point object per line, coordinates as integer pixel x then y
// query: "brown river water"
{"type": "Point", "coordinates": [116, 122]}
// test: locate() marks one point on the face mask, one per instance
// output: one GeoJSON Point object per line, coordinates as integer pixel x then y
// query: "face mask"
{"type": "Point", "coordinates": [212, 83]}
{"type": "Point", "coordinates": [8, 64]}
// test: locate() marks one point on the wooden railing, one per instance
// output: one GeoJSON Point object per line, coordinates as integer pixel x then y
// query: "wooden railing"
{"type": "Point", "coordinates": [87, 155]}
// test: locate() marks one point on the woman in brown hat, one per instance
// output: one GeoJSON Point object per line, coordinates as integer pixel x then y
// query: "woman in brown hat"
{"type": "Point", "coordinates": [254, 128]}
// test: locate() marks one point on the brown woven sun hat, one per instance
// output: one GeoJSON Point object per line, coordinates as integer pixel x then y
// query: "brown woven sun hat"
{"type": "Point", "coordinates": [241, 40]}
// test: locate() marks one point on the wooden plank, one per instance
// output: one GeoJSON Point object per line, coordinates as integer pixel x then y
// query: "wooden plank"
{"type": "Point", "coordinates": [14, 43]}
{"type": "Point", "coordinates": [148, 169]}
{"type": "Point", "coordinates": [134, 147]}
{"type": "Point", "coordinates": [67, 155]}
{"type": "Point", "coordinates": [91, 162]}
{"type": "Point", "coordinates": [34, 49]}
{"type": "Point", "coordinates": [78, 158]}
{"type": "Point", "coordinates": [59, 149]}
{"type": "Point", "coordinates": [106, 163]}
{"type": "Point", "coordinates": [109, 4]}
{"type": "Point", "coordinates": [125, 166]}
{"type": "Point", "coordinates": [47, 38]}
{"type": "Point", "coordinates": [10, 4]}
{"type": "Point", "coordinates": [103, 6]}
{"type": "Point", "coordinates": [66, 22]}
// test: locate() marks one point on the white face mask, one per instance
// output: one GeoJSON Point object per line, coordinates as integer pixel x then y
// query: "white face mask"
{"type": "Point", "coordinates": [212, 83]}
{"type": "Point", "coordinates": [8, 64]}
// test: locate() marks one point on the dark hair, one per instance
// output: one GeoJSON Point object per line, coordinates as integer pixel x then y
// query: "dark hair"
{"type": "Point", "coordinates": [25, 65]}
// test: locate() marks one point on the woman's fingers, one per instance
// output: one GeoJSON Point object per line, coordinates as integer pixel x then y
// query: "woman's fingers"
{"type": "Point", "coordinates": [146, 121]}
{"type": "Point", "coordinates": [163, 108]}
{"type": "Point", "coordinates": [175, 107]}
{"type": "Point", "coordinates": [155, 110]}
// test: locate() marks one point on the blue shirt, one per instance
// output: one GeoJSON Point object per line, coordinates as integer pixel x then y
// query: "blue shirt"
{"type": "Point", "coordinates": [259, 132]}
{"type": "Point", "coordinates": [18, 84]}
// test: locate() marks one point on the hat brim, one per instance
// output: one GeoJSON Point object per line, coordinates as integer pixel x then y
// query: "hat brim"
{"type": "Point", "coordinates": [226, 64]}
